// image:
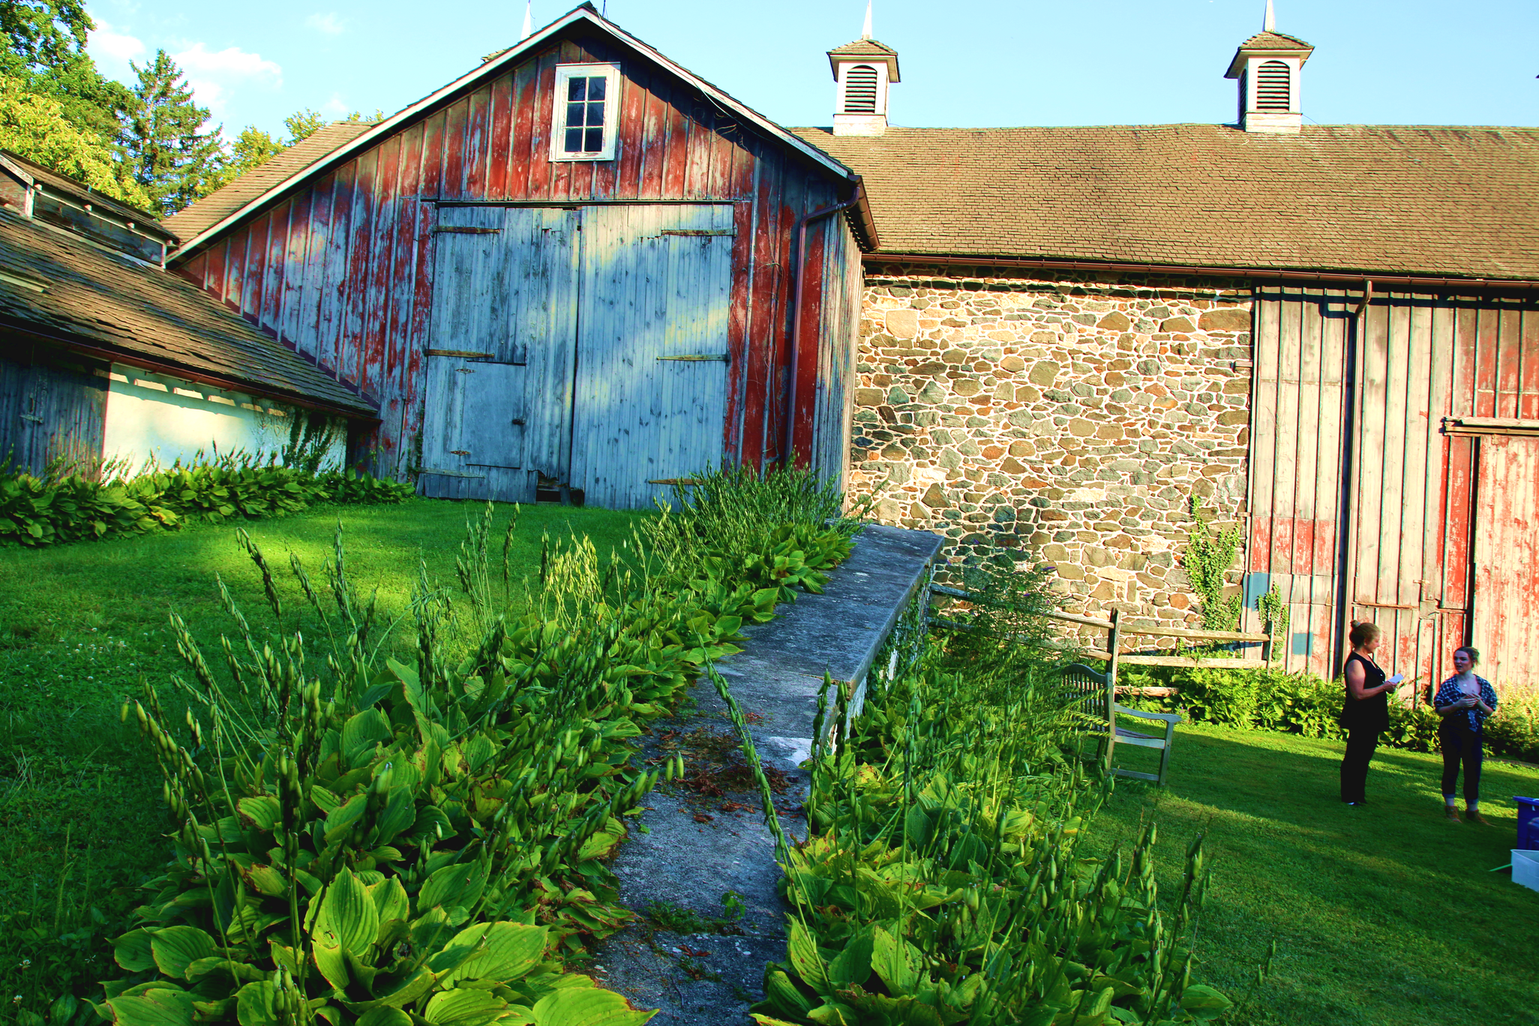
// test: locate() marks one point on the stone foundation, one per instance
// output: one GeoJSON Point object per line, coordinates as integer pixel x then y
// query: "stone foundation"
{"type": "Point", "coordinates": [1070, 420]}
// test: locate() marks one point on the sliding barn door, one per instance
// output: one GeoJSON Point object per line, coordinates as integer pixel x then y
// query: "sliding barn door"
{"type": "Point", "coordinates": [499, 372]}
{"type": "Point", "coordinates": [1506, 631]}
{"type": "Point", "coordinates": [651, 395]}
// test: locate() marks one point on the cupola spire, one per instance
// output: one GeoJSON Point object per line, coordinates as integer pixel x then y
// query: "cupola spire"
{"type": "Point", "coordinates": [1267, 66]}
{"type": "Point", "coordinates": [863, 70]}
{"type": "Point", "coordinates": [528, 20]}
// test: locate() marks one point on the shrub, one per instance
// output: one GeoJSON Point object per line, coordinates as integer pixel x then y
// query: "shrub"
{"type": "Point", "coordinates": [383, 841]}
{"type": "Point", "coordinates": [38, 511]}
{"type": "Point", "coordinates": [943, 880]}
{"type": "Point", "coordinates": [1302, 703]}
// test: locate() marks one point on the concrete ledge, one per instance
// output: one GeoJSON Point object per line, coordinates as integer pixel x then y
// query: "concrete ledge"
{"type": "Point", "coordinates": [689, 857]}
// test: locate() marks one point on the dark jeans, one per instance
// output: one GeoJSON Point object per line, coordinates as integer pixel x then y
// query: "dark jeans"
{"type": "Point", "coordinates": [1461, 744]}
{"type": "Point", "coordinates": [1361, 742]}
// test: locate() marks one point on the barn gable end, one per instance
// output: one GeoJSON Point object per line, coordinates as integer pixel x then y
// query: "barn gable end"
{"type": "Point", "coordinates": [341, 265]}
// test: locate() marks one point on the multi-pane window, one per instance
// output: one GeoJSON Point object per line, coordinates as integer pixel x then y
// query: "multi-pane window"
{"type": "Point", "coordinates": [586, 104]}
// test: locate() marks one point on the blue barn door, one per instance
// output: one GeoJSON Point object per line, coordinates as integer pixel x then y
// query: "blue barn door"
{"type": "Point", "coordinates": [499, 370]}
{"type": "Point", "coordinates": [650, 403]}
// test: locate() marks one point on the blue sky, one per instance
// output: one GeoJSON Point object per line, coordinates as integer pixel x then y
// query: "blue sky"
{"type": "Point", "coordinates": [987, 63]}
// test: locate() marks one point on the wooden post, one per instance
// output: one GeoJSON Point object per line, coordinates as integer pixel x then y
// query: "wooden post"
{"type": "Point", "coordinates": [1114, 647]}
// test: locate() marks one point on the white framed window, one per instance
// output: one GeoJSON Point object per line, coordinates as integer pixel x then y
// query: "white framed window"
{"type": "Point", "coordinates": [586, 112]}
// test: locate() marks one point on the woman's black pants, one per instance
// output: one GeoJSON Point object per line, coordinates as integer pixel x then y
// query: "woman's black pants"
{"type": "Point", "coordinates": [1460, 744]}
{"type": "Point", "coordinates": [1361, 742]}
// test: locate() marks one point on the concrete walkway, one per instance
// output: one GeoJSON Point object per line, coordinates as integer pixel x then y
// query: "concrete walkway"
{"type": "Point", "coordinates": [690, 957]}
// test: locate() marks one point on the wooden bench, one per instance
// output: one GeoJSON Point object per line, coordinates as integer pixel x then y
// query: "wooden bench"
{"type": "Point", "coordinates": [1097, 702]}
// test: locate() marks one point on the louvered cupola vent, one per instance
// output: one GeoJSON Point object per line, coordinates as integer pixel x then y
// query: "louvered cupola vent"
{"type": "Point", "coordinates": [862, 70]}
{"type": "Point", "coordinates": [1272, 87]}
{"type": "Point", "coordinates": [1268, 66]}
{"type": "Point", "coordinates": [860, 90]}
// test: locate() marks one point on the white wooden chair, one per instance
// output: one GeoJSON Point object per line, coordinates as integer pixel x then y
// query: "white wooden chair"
{"type": "Point", "coordinates": [1098, 703]}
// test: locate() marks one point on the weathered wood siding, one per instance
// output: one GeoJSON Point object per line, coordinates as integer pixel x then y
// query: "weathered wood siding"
{"type": "Point", "coordinates": [1348, 429]}
{"type": "Point", "coordinates": [824, 423]}
{"type": "Point", "coordinates": [52, 407]}
{"type": "Point", "coordinates": [341, 269]}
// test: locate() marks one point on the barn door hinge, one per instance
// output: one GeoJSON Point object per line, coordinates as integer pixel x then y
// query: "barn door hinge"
{"type": "Point", "coordinates": [708, 233]}
{"type": "Point", "coordinates": [701, 358]}
{"type": "Point", "coordinates": [674, 481]}
{"type": "Point", "coordinates": [459, 230]}
{"type": "Point", "coordinates": [462, 353]}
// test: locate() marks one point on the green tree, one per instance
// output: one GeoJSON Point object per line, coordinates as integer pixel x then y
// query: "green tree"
{"type": "Point", "coordinates": [302, 124]}
{"type": "Point", "coordinates": [250, 150]}
{"type": "Point", "coordinates": [43, 34]}
{"type": "Point", "coordinates": [170, 154]}
{"type": "Point", "coordinates": [44, 54]}
{"type": "Point", "coordinates": [39, 128]}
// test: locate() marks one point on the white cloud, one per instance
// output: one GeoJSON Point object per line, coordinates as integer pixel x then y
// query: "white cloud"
{"type": "Point", "coordinates": [327, 24]}
{"type": "Point", "coordinates": [112, 48]}
{"type": "Point", "coordinates": [215, 74]}
{"type": "Point", "coordinates": [336, 107]}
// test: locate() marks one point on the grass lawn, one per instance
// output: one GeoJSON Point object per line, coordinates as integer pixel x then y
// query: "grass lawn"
{"type": "Point", "coordinates": [1383, 914]}
{"type": "Point", "coordinates": [80, 803]}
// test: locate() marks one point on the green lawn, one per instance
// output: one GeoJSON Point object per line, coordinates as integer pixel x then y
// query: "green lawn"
{"type": "Point", "coordinates": [80, 803]}
{"type": "Point", "coordinates": [1384, 914]}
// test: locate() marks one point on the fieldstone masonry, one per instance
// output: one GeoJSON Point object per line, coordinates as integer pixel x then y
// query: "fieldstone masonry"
{"type": "Point", "coordinates": [1070, 419]}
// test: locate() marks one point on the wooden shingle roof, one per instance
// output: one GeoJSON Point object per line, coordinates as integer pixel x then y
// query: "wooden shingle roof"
{"type": "Point", "coordinates": [89, 298]}
{"type": "Point", "coordinates": [1455, 201]}
{"type": "Point", "coordinates": [220, 203]}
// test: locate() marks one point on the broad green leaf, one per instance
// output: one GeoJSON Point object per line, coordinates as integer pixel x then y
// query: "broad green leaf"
{"type": "Point", "coordinates": [896, 961]}
{"type": "Point", "coordinates": [500, 952]}
{"type": "Point", "coordinates": [332, 963]}
{"type": "Point", "coordinates": [409, 990]}
{"type": "Point", "coordinates": [349, 915]}
{"type": "Point", "coordinates": [340, 820]}
{"type": "Point", "coordinates": [1203, 1002]}
{"type": "Point", "coordinates": [262, 810]}
{"type": "Point", "coordinates": [177, 947]}
{"type": "Point", "coordinates": [161, 1006]}
{"type": "Point", "coordinates": [384, 1017]}
{"type": "Point", "coordinates": [362, 732]}
{"type": "Point", "coordinates": [390, 900]}
{"type": "Point", "coordinates": [587, 1006]}
{"type": "Point", "coordinates": [833, 1014]}
{"type": "Point", "coordinates": [853, 963]}
{"type": "Point", "coordinates": [806, 959]}
{"type": "Point", "coordinates": [453, 886]}
{"type": "Point", "coordinates": [132, 951]}
{"type": "Point", "coordinates": [464, 1008]}
{"type": "Point", "coordinates": [256, 1004]}
{"type": "Point", "coordinates": [784, 994]}
{"type": "Point", "coordinates": [267, 880]}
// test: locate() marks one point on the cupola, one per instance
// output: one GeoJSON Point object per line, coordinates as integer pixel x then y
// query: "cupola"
{"type": "Point", "coordinates": [1267, 66]}
{"type": "Point", "coordinates": [863, 70]}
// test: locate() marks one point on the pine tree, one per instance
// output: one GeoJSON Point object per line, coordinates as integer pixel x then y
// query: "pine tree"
{"type": "Point", "coordinates": [171, 157]}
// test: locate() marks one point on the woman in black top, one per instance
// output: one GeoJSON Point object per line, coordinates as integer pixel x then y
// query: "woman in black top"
{"type": "Point", "coordinates": [1365, 712]}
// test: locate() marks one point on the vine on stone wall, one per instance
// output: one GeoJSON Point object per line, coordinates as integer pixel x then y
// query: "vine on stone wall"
{"type": "Point", "coordinates": [1209, 557]}
{"type": "Point", "coordinates": [1274, 613]}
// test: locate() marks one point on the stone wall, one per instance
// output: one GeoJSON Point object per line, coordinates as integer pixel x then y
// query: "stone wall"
{"type": "Point", "coordinates": [1070, 420]}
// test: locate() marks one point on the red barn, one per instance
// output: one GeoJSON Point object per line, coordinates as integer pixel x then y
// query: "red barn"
{"type": "Point", "coordinates": [576, 267]}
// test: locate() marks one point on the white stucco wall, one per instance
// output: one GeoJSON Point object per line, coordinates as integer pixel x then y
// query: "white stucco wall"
{"type": "Point", "coordinates": [159, 417]}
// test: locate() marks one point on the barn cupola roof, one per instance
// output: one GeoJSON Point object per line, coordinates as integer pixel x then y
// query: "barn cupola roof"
{"type": "Point", "coordinates": [1267, 66]}
{"type": "Point", "coordinates": [862, 70]}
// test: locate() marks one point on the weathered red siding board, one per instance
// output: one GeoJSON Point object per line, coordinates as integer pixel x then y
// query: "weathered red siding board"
{"type": "Point", "coordinates": [343, 270]}
{"type": "Point", "coordinates": [1416, 506]}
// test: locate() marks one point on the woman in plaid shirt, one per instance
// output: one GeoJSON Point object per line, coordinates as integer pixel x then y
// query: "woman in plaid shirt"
{"type": "Point", "coordinates": [1464, 701]}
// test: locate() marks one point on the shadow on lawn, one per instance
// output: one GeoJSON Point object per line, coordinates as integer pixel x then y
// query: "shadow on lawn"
{"type": "Point", "coordinates": [1383, 913]}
